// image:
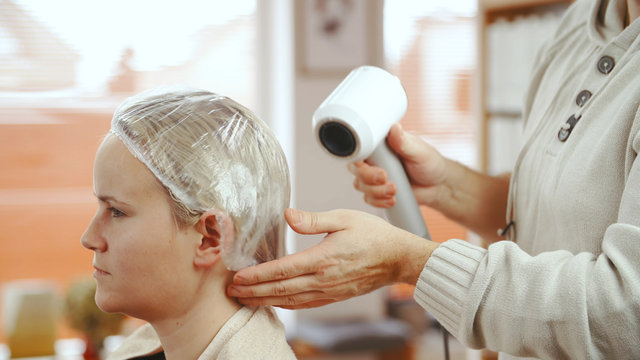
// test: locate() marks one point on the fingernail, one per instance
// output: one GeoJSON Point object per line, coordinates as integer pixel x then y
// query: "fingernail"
{"type": "Point", "coordinates": [390, 189]}
{"type": "Point", "coordinates": [401, 131]}
{"type": "Point", "coordinates": [380, 178]}
{"type": "Point", "coordinates": [233, 291]}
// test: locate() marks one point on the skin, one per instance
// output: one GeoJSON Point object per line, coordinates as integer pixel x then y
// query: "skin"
{"type": "Point", "coordinates": [360, 253]}
{"type": "Point", "coordinates": [148, 267]}
{"type": "Point", "coordinates": [453, 189]}
{"type": "Point", "coordinates": [375, 254]}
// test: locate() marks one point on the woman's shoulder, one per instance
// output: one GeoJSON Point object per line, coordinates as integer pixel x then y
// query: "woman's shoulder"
{"type": "Point", "coordinates": [253, 332]}
{"type": "Point", "coordinates": [141, 344]}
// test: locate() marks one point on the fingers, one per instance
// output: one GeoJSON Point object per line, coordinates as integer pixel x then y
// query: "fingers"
{"type": "Point", "coordinates": [296, 293]}
{"type": "Point", "coordinates": [368, 174]}
{"type": "Point", "coordinates": [283, 268]}
{"type": "Point", "coordinates": [298, 301]}
{"type": "Point", "coordinates": [372, 182]}
{"type": "Point", "coordinates": [386, 191]}
{"type": "Point", "coordinates": [308, 305]}
{"type": "Point", "coordinates": [287, 294]}
{"type": "Point", "coordinates": [410, 147]}
{"type": "Point", "coordinates": [380, 202]}
{"type": "Point", "coordinates": [308, 223]}
{"type": "Point", "coordinates": [277, 288]}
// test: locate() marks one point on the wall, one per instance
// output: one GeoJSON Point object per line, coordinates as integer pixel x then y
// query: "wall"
{"type": "Point", "coordinates": [322, 182]}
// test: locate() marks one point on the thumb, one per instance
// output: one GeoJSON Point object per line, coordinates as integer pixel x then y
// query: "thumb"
{"type": "Point", "coordinates": [304, 222]}
{"type": "Point", "coordinates": [408, 146]}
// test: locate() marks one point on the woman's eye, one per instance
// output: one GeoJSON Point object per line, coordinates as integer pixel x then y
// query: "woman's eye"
{"type": "Point", "coordinates": [115, 212]}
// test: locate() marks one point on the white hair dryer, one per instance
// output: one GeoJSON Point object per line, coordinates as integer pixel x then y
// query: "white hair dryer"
{"type": "Point", "coordinates": [353, 123]}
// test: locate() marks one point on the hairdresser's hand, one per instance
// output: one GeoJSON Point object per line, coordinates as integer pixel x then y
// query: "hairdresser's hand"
{"type": "Point", "coordinates": [426, 167]}
{"type": "Point", "coordinates": [360, 253]}
{"type": "Point", "coordinates": [472, 199]}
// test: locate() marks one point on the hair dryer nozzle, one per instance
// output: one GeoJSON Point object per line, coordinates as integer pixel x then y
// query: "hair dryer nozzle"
{"type": "Point", "coordinates": [337, 138]}
{"type": "Point", "coordinates": [359, 113]}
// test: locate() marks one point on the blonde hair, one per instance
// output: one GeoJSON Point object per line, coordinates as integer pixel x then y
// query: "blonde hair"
{"type": "Point", "coordinates": [211, 153]}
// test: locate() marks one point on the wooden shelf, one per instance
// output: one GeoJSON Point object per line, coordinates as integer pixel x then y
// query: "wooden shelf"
{"type": "Point", "coordinates": [514, 5]}
{"type": "Point", "coordinates": [488, 12]}
{"type": "Point", "coordinates": [496, 9]}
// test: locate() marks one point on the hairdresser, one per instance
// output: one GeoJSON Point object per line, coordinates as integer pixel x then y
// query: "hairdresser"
{"type": "Point", "coordinates": [567, 285]}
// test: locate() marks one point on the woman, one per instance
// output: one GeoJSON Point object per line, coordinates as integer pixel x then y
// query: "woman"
{"type": "Point", "coordinates": [191, 188]}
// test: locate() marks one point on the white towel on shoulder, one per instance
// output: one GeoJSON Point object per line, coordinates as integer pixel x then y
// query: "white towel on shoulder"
{"type": "Point", "coordinates": [251, 333]}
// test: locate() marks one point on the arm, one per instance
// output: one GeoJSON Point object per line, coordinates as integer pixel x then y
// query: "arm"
{"type": "Point", "coordinates": [474, 200]}
{"type": "Point", "coordinates": [555, 304]}
{"type": "Point", "coordinates": [360, 253]}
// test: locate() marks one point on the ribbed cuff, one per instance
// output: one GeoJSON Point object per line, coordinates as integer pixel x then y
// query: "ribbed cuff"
{"type": "Point", "coordinates": [444, 282]}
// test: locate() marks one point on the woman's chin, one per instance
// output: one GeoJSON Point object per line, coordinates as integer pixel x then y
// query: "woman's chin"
{"type": "Point", "coordinates": [105, 304]}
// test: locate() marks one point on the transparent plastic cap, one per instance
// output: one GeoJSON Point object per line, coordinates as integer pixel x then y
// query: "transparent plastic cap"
{"type": "Point", "coordinates": [213, 155]}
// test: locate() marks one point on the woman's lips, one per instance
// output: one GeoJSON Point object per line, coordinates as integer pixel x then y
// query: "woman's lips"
{"type": "Point", "coordinates": [99, 272]}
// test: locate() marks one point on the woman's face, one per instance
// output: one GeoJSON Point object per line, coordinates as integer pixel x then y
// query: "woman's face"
{"type": "Point", "coordinates": [142, 259]}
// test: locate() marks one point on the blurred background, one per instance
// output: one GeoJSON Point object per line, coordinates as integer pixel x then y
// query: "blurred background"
{"type": "Point", "coordinates": [65, 65]}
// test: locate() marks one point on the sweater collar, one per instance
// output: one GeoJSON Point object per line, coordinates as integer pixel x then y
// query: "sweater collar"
{"type": "Point", "coordinates": [607, 20]}
{"type": "Point", "coordinates": [606, 25]}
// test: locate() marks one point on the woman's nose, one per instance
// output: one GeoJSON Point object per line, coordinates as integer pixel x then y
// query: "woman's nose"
{"type": "Point", "coordinates": [92, 239]}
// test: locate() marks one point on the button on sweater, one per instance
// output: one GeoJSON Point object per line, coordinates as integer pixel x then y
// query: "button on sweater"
{"type": "Point", "coordinates": [568, 284]}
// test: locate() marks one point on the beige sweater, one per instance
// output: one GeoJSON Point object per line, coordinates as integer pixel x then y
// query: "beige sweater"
{"type": "Point", "coordinates": [251, 333]}
{"type": "Point", "coordinates": [570, 287]}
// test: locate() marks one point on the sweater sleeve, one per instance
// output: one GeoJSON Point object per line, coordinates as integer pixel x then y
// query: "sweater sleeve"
{"type": "Point", "coordinates": [553, 305]}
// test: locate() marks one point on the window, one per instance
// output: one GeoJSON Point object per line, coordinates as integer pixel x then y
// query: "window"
{"type": "Point", "coordinates": [64, 67]}
{"type": "Point", "coordinates": [431, 47]}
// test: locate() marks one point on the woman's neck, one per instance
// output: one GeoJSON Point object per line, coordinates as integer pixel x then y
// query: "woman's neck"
{"type": "Point", "coordinates": [187, 335]}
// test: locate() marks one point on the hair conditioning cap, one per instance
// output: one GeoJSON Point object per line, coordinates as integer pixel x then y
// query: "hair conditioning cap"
{"type": "Point", "coordinates": [213, 154]}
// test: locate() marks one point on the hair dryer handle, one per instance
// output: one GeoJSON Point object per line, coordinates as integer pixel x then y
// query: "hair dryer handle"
{"type": "Point", "coordinates": [405, 213]}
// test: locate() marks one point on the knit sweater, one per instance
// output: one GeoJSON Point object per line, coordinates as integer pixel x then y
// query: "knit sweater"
{"type": "Point", "coordinates": [251, 333]}
{"type": "Point", "coordinates": [568, 285]}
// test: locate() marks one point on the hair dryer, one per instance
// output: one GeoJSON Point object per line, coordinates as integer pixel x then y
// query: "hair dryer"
{"type": "Point", "coordinates": [352, 124]}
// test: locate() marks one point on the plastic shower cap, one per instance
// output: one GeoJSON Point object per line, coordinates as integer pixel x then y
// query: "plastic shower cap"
{"type": "Point", "coordinates": [213, 154]}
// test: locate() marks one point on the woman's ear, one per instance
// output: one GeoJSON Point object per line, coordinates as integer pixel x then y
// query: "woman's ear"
{"type": "Point", "coordinates": [212, 225]}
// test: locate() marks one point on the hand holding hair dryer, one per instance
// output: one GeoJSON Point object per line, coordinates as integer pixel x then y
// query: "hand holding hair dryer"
{"type": "Point", "coordinates": [353, 123]}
